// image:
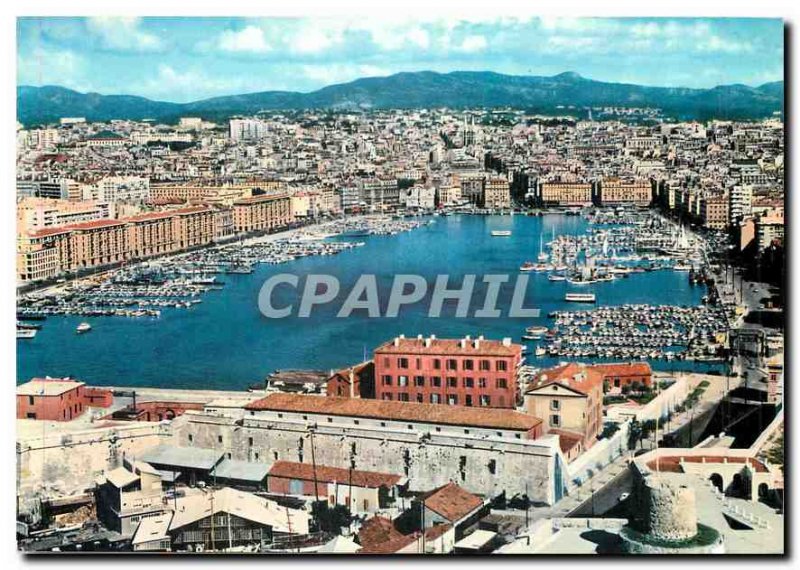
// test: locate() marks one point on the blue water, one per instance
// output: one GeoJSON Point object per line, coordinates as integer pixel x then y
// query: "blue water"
{"type": "Point", "coordinates": [226, 343]}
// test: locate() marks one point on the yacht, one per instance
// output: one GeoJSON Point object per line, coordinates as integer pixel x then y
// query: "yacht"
{"type": "Point", "coordinates": [26, 333]}
{"type": "Point", "coordinates": [536, 330]}
{"type": "Point", "coordinates": [556, 277]}
{"type": "Point", "coordinates": [83, 328]}
{"type": "Point", "coordinates": [501, 233]}
{"type": "Point", "coordinates": [527, 266]}
{"type": "Point", "coordinates": [580, 297]}
{"type": "Point", "coordinates": [540, 351]}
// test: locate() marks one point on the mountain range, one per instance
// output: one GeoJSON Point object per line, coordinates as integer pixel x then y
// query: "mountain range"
{"type": "Point", "coordinates": [424, 89]}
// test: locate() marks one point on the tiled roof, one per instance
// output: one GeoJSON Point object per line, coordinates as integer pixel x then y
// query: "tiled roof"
{"type": "Point", "coordinates": [379, 536]}
{"type": "Point", "coordinates": [624, 369]}
{"type": "Point", "coordinates": [325, 474]}
{"type": "Point", "coordinates": [452, 502]}
{"type": "Point", "coordinates": [399, 411]}
{"type": "Point", "coordinates": [453, 347]}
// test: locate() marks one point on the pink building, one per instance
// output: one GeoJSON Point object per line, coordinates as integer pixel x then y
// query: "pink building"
{"type": "Point", "coordinates": [458, 372]}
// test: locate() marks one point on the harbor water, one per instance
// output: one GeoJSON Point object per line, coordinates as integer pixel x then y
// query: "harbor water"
{"type": "Point", "coordinates": [226, 343]}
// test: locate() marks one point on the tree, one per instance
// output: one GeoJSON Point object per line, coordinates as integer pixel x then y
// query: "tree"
{"type": "Point", "coordinates": [775, 453]}
{"type": "Point", "coordinates": [634, 434]}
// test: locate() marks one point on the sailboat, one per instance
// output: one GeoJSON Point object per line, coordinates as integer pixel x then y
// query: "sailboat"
{"type": "Point", "coordinates": [542, 255]}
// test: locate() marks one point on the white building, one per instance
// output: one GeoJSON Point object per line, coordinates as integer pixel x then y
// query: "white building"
{"type": "Point", "coordinates": [247, 129]}
{"type": "Point", "coordinates": [418, 197]}
{"type": "Point", "coordinates": [119, 188]}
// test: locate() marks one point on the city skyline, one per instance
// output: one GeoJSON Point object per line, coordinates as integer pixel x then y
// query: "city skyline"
{"type": "Point", "coordinates": [159, 58]}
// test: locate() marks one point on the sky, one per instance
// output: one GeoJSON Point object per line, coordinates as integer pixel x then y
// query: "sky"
{"type": "Point", "coordinates": [186, 59]}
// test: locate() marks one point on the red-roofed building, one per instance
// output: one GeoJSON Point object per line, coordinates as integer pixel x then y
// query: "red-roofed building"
{"type": "Point", "coordinates": [568, 397]}
{"type": "Point", "coordinates": [459, 372]}
{"type": "Point", "coordinates": [361, 491]}
{"type": "Point", "coordinates": [378, 535]}
{"type": "Point", "coordinates": [353, 382]}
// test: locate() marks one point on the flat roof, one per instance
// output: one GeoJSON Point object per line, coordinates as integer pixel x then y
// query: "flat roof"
{"type": "Point", "coordinates": [446, 347]}
{"type": "Point", "coordinates": [183, 457]}
{"type": "Point", "coordinates": [476, 540]}
{"type": "Point", "coordinates": [47, 387]}
{"type": "Point", "coordinates": [493, 418]}
{"type": "Point", "coordinates": [241, 470]}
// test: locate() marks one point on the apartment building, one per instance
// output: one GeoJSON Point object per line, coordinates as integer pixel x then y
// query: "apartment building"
{"type": "Point", "coordinates": [565, 193]}
{"type": "Point", "coordinates": [615, 192]}
{"type": "Point", "coordinates": [262, 213]}
{"type": "Point", "coordinates": [464, 372]}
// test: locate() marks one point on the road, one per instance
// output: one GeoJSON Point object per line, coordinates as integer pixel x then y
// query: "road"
{"type": "Point", "coordinates": [605, 498]}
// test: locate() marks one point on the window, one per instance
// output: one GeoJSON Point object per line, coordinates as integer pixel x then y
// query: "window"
{"type": "Point", "coordinates": [555, 405]}
{"type": "Point", "coordinates": [403, 397]}
{"type": "Point", "coordinates": [386, 362]}
{"type": "Point", "coordinates": [419, 363]}
{"type": "Point", "coordinates": [469, 383]}
{"type": "Point", "coordinates": [386, 380]}
{"type": "Point", "coordinates": [330, 420]}
{"type": "Point", "coordinates": [436, 399]}
{"type": "Point", "coordinates": [492, 466]}
{"type": "Point", "coordinates": [501, 366]}
{"type": "Point", "coordinates": [356, 422]}
{"type": "Point", "coordinates": [485, 365]}
{"type": "Point", "coordinates": [469, 400]}
{"type": "Point", "coordinates": [486, 400]}
{"type": "Point", "coordinates": [437, 364]}
{"type": "Point", "coordinates": [402, 380]}
{"type": "Point", "coordinates": [191, 438]}
{"type": "Point", "coordinates": [250, 441]}
{"type": "Point", "coordinates": [386, 397]}
{"type": "Point", "coordinates": [468, 364]}
{"type": "Point", "coordinates": [452, 400]}
{"type": "Point", "coordinates": [555, 420]}
{"type": "Point", "coordinates": [30, 400]}
{"type": "Point", "coordinates": [452, 364]}
{"type": "Point", "coordinates": [402, 362]}
{"type": "Point", "coordinates": [501, 383]}
{"type": "Point", "coordinates": [436, 381]}
{"type": "Point", "coordinates": [452, 382]}
{"type": "Point", "coordinates": [420, 398]}
{"type": "Point", "coordinates": [419, 381]}
{"type": "Point", "coordinates": [481, 382]}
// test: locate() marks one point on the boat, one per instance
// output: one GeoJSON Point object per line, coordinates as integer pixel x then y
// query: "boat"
{"type": "Point", "coordinates": [31, 326]}
{"type": "Point", "coordinates": [540, 351]}
{"type": "Point", "coordinates": [536, 330]}
{"type": "Point", "coordinates": [527, 266]}
{"type": "Point", "coordinates": [682, 267]}
{"type": "Point", "coordinates": [501, 233]}
{"type": "Point", "coordinates": [531, 337]}
{"type": "Point", "coordinates": [26, 333]}
{"type": "Point", "coordinates": [555, 277]}
{"type": "Point", "coordinates": [83, 328]}
{"type": "Point", "coordinates": [580, 297]}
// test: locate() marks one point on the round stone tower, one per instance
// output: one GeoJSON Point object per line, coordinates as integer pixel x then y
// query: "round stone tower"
{"type": "Point", "coordinates": [671, 511]}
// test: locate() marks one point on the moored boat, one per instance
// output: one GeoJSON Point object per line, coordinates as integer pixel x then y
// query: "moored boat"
{"type": "Point", "coordinates": [83, 328]}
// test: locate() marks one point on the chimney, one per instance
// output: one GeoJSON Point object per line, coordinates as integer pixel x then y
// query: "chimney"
{"type": "Point", "coordinates": [477, 343]}
{"type": "Point", "coordinates": [462, 343]}
{"type": "Point", "coordinates": [507, 341]}
{"type": "Point", "coordinates": [433, 337]}
{"type": "Point", "coordinates": [427, 343]}
{"type": "Point", "coordinates": [480, 337]}
{"type": "Point", "coordinates": [419, 337]}
{"type": "Point", "coordinates": [397, 341]}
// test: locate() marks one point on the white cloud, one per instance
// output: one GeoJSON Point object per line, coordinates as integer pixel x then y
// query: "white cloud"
{"type": "Point", "coordinates": [472, 44]}
{"type": "Point", "coordinates": [339, 73]}
{"type": "Point", "coordinates": [123, 34]}
{"type": "Point", "coordinates": [250, 39]}
{"type": "Point", "coordinates": [48, 66]}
